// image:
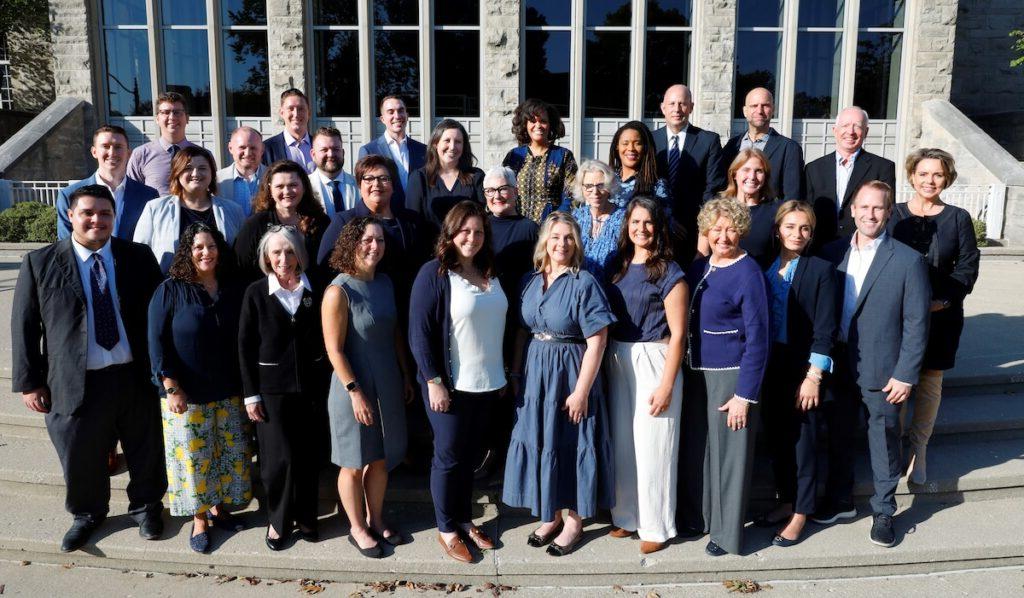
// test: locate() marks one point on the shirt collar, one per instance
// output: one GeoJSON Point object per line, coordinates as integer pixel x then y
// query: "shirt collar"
{"type": "Point", "coordinates": [763, 137]}
{"type": "Point", "coordinates": [326, 179]}
{"type": "Point", "coordinates": [166, 145]}
{"type": "Point", "coordinates": [873, 245]}
{"type": "Point", "coordinates": [292, 141]}
{"type": "Point", "coordinates": [853, 158]}
{"type": "Point", "coordinates": [238, 175]}
{"type": "Point", "coordinates": [84, 253]}
{"type": "Point", "coordinates": [683, 131]}
{"type": "Point", "coordinates": [275, 286]}
{"type": "Point", "coordinates": [114, 191]}
{"type": "Point", "coordinates": [392, 141]}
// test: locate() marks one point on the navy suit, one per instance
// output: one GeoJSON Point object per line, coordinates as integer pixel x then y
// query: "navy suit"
{"type": "Point", "coordinates": [417, 159]}
{"type": "Point", "coordinates": [785, 158]}
{"type": "Point", "coordinates": [833, 217]}
{"type": "Point", "coordinates": [136, 195]}
{"type": "Point", "coordinates": [699, 178]}
{"type": "Point", "coordinates": [276, 148]}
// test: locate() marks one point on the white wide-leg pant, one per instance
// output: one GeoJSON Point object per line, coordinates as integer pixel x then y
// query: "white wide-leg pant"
{"type": "Point", "coordinates": [646, 448]}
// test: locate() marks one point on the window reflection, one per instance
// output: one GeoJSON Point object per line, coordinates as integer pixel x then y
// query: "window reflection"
{"type": "Point", "coordinates": [246, 84]}
{"type": "Point", "coordinates": [606, 92]}
{"type": "Point", "coordinates": [548, 12]}
{"type": "Point", "coordinates": [335, 12]}
{"type": "Point", "coordinates": [877, 83]}
{"type": "Point", "coordinates": [760, 13]}
{"type": "Point", "coordinates": [611, 13]}
{"type": "Point", "coordinates": [757, 65]}
{"type": "Point", "coordinates": [669, 13]}
{"type": "Point", "coordinates": [821, 13]}
{"type": "Point", "coordinates": [818, 63]}
{"type": "Point", "coordinates": [187, 67]}
{"type": "Point", "coordinates": [546, 71]}
{"type": "Point", "coordinates": [457, 12]}
{"type": "Point", "coordinates": [668, 63]}
{"type": "Point", "coordinates": [396, 12]}
{"type": "Point", "coordinates": [243, 12]}
{"type": "Point", "coordinates": [882, 13]}
{"type": "Point", "coordinates": [183, 12]}
{"type": "Point", "coordinates": [128, 83]}
{"type": "Point", "coordinates": [397, 63]}
{"type": "Point", "coordinates": [337, 69]}
{"type": "Point", "coordinates": [457, 74]}
{"type": "Point", "coordinates": [124, 12]}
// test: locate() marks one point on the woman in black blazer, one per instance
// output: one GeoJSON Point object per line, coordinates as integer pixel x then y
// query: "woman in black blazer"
{"type": "Point", "coordinates": [803, 297]}
{"type": "Point", "coordinates": [284, 370]}
{"type": "Point", "coordinates": [447, 178]}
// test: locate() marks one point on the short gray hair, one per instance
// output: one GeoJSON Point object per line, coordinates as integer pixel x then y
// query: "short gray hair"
{"type": "Point", "coordinates": [293, 237]}
{"type": "Point", "coordinates": [502, 172]}
{"type": "Point", "coordinates": [611, 182]}
{"type": "Point", "coordinates": [863, 113]}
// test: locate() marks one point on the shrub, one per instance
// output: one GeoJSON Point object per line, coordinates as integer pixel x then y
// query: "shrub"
{"type": "Point", "coordinates": [980, 232]}
{"type": "Point", "coordinates": [28, 221]}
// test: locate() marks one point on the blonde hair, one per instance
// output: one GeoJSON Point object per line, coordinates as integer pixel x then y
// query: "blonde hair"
{"type": "Point", "coordinates": [541, 259]}
{"type": "Point", "coordinates": [932, 153]}
{"type": "Point", "coordinates": [741, 158]}
{"type": "Point", "coordinates": [727, 207]}
{"type": "Point", "coordinates": [795, 205]}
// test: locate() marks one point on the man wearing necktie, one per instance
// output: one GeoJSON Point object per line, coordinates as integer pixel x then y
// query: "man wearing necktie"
{"type": "Point", "coordinates": [150, 163]}
{"type": "Point", "coordinates": [334, 188]}
{"type": "Point", "coordinates": [80, 356]}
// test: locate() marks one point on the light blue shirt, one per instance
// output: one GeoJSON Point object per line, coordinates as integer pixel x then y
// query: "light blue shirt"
{"type": "Point", "coordinates": [778, 291]}
{"type": "Point", "coordinates": [299, 151]}
{"type": "Point", "coordinates": [244, 191]}
{"type": "Point", "coordinates": [97, 357]}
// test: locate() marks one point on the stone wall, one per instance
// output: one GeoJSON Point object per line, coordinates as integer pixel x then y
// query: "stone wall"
{"type": "Point", "coordinates": [501, 72]}
{"type": "Point", "coordinates": [31, 70]}
{"type": "Point", "coordinates": [286, 35]}
{"type": "Point", "coordinates": [48, 148]}
{"type": "Point", "coordinates": [72, 53]}
{"type": "Point", "coordinates": [983, 81]}
{"type": "Point", "coordinates": [932, 24]}
{"type": "Point", "coordinates": [713, 86]}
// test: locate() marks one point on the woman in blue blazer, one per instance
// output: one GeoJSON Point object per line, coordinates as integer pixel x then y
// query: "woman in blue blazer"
{"type": "Point", "coordinates": [803, 295]}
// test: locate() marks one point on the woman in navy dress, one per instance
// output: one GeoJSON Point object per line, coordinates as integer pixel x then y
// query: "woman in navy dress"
{"type": "Point", "coordinates": [560, 456]}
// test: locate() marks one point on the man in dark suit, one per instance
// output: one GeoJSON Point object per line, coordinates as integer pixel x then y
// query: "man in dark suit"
{"type": "Point", "coordinates": [784, 155]}
{"type": "Point", "coordinates": [293, 143]}
{"type": "Point", "coordinates": [689, 158]}
{"type": "Point", "coordinates": [78, 329]}
{"type": "Point", "coordinates": [407, 153]}
{"type": "Point", "coordinates": [831, 180]}
{"type": "Point", "coordinates": [110, 148]}
{"type": "Point", "coordinates": [883, 331]}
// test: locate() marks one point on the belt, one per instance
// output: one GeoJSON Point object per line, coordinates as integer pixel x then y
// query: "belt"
{"type": "Point", "coordinates": [552, 338]}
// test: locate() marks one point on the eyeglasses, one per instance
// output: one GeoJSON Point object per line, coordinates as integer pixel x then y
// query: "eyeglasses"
{"type": "Point", "coordinates": [383, 179]}
{"type": "Point", "coordinates": [504, 190]}
{"type": "Point", "coordinates": [175, 112]}
{"type": "Point", "coordinates": [276, 228]}
{"type": "Point", "coordinates": [599, 187]}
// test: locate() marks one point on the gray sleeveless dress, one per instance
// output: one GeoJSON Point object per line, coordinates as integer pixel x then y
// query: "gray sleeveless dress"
{"type": "Point", "coordinates": [370, 349]}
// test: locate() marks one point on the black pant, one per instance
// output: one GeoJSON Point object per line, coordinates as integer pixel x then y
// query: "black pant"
{"type": "Point", "coordinates": [457, 435]}
{"type": "Point", "coordinates": [115, 407]}
{"type": "Point", "coordinates": [791, 432]}
{"type": "Point", "coordinates": [288, 465]}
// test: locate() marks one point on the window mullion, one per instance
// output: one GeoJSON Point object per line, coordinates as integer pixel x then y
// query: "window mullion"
{"type": "Point", "coordinates": [156, 66]}
{"type": "Point", "coordinates": [426, 35]}
{"type": "Point", "coordinates": [217, 104]}
{"type": "Point", "coordinates": [849, 52]}
{"type": "Point", "coordinates": [787, 78]}
{"type": "Point", "coordinates": [577, 76]}
{"type": "Point", "coordinates": [638, 43]}
{"type": "Point", "coordinates": [367, 99]}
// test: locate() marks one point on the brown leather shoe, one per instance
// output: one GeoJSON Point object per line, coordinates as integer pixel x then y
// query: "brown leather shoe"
{"type": "Point", "coordinates": [649, 547]}
{"type": "Point", "coordinates": [482, 541]}
{"type": "Point", "coordinates": [457, 549]}
{"type": "Point", "coordinates": [618, 532]}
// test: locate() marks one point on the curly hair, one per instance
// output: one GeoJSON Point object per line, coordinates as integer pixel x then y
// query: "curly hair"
{"type": "Point", "coordinates": [531, 110]}
{"type": "Point", "coordinates": [647, 170]}
{"type": "Point", "coordinates": [727, 207]}
{"type": "Point", "coordinates": [308, 209]}
{"type": "Point", "coordinates": [453, 223]}
{"type": "Point", "coordinates": [741, 158]}
{"type": "Point", "coordinates": [660, 252]}
{"type": "Point", "coordinates": [180, 165]}
{"type": "Point", "coordinates": [183, 268]}
{"type": "Point", "coordinates": [343, 256]}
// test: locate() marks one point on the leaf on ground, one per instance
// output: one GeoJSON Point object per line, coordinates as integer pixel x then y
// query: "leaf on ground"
{"type": "Point", "coordinates": [653, 594]}
{"type": "Point", "coordinates": [253, 581]}
{"type": "Point", "coordinates": [311, 586]}
{"type": "Point", "coordinates": [25, 563]}
{"type": "Point", "coordinates": [355, 595]}
{"type": "Point", "coordinates": [68, 565]}
{"type": "Point", "coordinates": [455, 587]}
{"type": "Point", "coordinates": [2, 588]}
{"type": "Point", "coordinates": [383, 587]}
{"type": "Point", "coordinates": [743, 586]}
{"type": "Point", "coordinates": [222, 579]}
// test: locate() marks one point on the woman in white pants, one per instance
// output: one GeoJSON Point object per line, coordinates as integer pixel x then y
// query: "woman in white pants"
{"type": "Point", "coordinates": [645, 383]}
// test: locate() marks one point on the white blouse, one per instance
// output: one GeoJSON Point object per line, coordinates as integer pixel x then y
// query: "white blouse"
{"type": "Point", "coordinates": [477, 334]}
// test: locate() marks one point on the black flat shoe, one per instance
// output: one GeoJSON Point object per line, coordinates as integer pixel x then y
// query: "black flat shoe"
{"type": "Point", "coordinates": [713, 549]}
{"type": "Point", "coordinates": [781, 542]}
{"type": "Point", "coordinates": [559, 550]}
{"type": "Point", "coordinates": [200, 542]}
{"type": "Point", "coordinates": [78, 534]}
{"type": "Point", "coordinates": [539, 541]}
{"type": "Point", "coordinates": [227, 522]}
{"type": "Point", "coordinates": [276, 544]}
{"type": "Point", "coordinates": [373, 552]}
{"type": "Point", "coordinates": [152, 526]}
{"type": "Point", "coordinates": [396, 538]}
{"type": "Point", "coordinates": [311, 535]}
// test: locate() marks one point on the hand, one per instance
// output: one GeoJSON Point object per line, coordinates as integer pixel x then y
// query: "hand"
{"type": "Point", "coordinates": [808, 394]}
{"type": "Point", "coordinates": [898, 391]}
{"type": "Point", "coordinates": [177, 403]}
{"type": "Point", "coordinates": [37, 399]}
{"type": "Point", "coordinates": [361, 407]}
{"type": "Point", "coordinates": [410, 391]}
{"type": "Point", "coordinates": [660, 400]}
{"type": "Point", "coordinates": [576, 405]}
{"type": "Point", "coordinates": [256, 412]}
{"type": "Point", "coordinates": [440, 402]}
{"type": "Point", "coordinates": [738, 409]}
{"type": "Point", "coordinates": [938, 305]}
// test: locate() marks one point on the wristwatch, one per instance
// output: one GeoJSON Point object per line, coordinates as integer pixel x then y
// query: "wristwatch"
{"type": "Point", "coordinates": [434, 380]}
{"type": "Point", "coordinates": [173, 390]}
{"type": "Point", "coordinates": [351, 386]}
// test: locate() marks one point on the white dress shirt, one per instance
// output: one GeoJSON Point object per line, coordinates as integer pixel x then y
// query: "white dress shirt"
{"type": "Point", "coordinates": [400, 153]}
{"type": "Point", "coordinates": [97, 357]}
{"type": "Point", "coordinates": [857, 266]}
{"type": "Point", "coordinates": [843, 172]}
{"type": "Point", "coordinates": [681, 136]}
{"type": "Point", "coordinates": [118, 194]}
{"type": "Point", "coordinates": [290, 300]}
{"type": "Point", "coordinates": [323, 192]}
{"type": "Point", "coordinates": [298, 150]}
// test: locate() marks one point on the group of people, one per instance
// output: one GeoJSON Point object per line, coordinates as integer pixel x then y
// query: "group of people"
{"type": "Point", "coordinates": [616, 331]}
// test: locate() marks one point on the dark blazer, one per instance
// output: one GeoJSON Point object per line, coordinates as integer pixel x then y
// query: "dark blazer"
{"type": "Point", "coordinates": [889, 327]}
{"type": "Point", "coordinates": [430, 324]}
{"type": "Point", "coordinates": [785, 158]}
{"type": "Point", "coordinates": [417, 158]}
{"type": "Point", "coordinates": [832, 215]}
{"type": "Point", "coordinates": [434, 202]}
{"type": "Point", "coordinates": [49, 319]}
{"type": "Point", "coordinates": [279, 353]}
{"type": "Point", "coordinates": [275, 148]}
{"type": "Point", "coordinates": [247, 242]}
{"type": "Point", "coordinates": [136, 195]}
{"type": "Point", "coordinates": [811, 318]}
{"type": "Point", "coordinates": [701, 175]}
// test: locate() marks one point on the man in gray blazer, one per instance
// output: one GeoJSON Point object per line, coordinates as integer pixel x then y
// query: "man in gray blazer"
{"type": "Point", "coordinates": [883, 332]}
{"type": "Point", "coordinates": [240, 180]}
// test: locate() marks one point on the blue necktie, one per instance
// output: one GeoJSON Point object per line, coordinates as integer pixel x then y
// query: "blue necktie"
{"type": "Point", "coordinates": [103, 314]}
{"type": "Point", "coordinates": [339, 201]}
{"type": "Point", "coordinates": [673, 161]}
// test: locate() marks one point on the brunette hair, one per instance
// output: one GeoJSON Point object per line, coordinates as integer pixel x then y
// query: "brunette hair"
{"type": "Point", "coordinates": [294, 92]}
{"type": "Point", "coordinates": [531, 110]}
{"type": "Point", "coordinates": [433, 165]}
{"type": "Point", "coordinates": [878, 186]}
{"type": "Point", "coordinates": [180, 164]}
{"type": "Point", "coordinates": [371, 161]}
{"type": "Point", "coordinates": [113, 130]}
{"type": "Point", "coordinates": [795, 205]}
{"type": "Point", "coordinates": [647, 170]}
{"type": "Point", "coordinates": [183, 269]}
{"type": "Point", "coordinates": [741, 158]}
{"type": "Point", "coordinates": [661, 247]}
{"type": "Point", "coordinates": [343, 256]}
{"type": "Point", "coordinates": [170, 97]}
{"type": "Point", "coordinates": [453, 223]}
{"type": "Point", "coordinates": [308, 208]}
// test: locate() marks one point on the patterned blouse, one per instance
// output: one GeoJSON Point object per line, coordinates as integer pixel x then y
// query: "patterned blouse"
{"type": "Point", "coordinates": [628, 187]}
{"type": "Point", "coordinates": [545, 181]}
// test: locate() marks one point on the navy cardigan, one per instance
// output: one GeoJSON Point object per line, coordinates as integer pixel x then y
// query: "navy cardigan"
{"type": "Point", "coordinates": [430, 325]}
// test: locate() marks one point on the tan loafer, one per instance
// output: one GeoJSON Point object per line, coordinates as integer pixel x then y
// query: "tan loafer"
{"type": "Point", "coordinates": [456, 549]}
{"type": "Point", "coordinates": [482, 540]}
{"type": "Point", "coordinates": [618, 532]}
{"type": "Point", "coordinates": [649, 547]}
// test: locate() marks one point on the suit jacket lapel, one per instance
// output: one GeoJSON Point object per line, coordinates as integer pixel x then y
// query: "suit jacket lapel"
{"type": "Point", "coordinates": [860, 168]}
{"type": "Point", "coordinates": [69, 263]}
{"type": "Point", "coordinates": [772, 144]}
{"type": "Point", "coordinates": [882, 256]}
{"type": "Point", "coordinates": [691, 139]}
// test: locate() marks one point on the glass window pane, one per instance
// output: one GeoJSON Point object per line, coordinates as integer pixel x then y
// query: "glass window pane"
{"type": "Point", "coordinates": [547, 68]}
{"type": "Point", "coordinates": [606, 75]}
{"type": "Point", "coordinates": [128, 84]}
{"type": "Point", "coordinates": [548, 12]}
{"type": "Point", "coordinates": [668, 63]}
{"type": "Point", "coordinates": [183, 12]}
{"type": "Point", "coordinates": [396, 12]}
{"type": "Point", "coordinates": [669, 13]}
{"type": "Point", "coordinates": [124, 12]}
{"type": "Point", "coordinates": [457, 12]}
{"type": "Point", "coordinates": [822, 13]}
{"type": "Point", "coordinates": [187, 64]}
{"type": "Point", "coordinates": [877, 85]}
{"type": "Point", "coordinates": [246, 84]}
{"type": "Point", "coordinates": [243, 12]}
{"type": "Point", "coordinates": [337, 73]}
{"type": "Point", "coordinates": [760, 13]}
{"type": "Point", "coordinates": [818, 64]}
{"type": "Point", "coordinates": [457, 78]}
{"type": "Point", "coordinates": [758, 56]}
{"type": "Point", "coordinates": [609, 12]}
{"type": "Point", "coordinates": [397, 63]}
{"type": "Point", "coordinates": [335, 12]}
{"type": "Point", "coordinates": [882, 13]}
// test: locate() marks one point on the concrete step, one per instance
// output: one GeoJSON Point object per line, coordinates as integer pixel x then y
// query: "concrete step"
{"type": "Point", "coordinates": [931, 537]}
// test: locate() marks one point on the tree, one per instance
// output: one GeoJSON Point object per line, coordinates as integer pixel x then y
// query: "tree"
{"type": "Point", "coordinates": [1018, 47]}
{"type": "Point", "coordinates": [23, 14]}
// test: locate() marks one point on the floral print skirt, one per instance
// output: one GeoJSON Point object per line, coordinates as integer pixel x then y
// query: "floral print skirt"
{"type": "Point", "coordinates": [208, 456]}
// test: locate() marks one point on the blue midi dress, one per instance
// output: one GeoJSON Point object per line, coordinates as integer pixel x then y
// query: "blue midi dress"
{"type": "Point", "coordinates": [553, 463]}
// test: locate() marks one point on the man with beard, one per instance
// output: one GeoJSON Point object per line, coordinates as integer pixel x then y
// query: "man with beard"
{"type": "Point", "coordinates": [334, 188]}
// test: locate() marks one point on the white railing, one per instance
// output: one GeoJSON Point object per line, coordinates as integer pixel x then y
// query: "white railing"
{"type": "Point", "coordinates": [12, 192]}
{"type": "Point", "coordinates": [982, 202]}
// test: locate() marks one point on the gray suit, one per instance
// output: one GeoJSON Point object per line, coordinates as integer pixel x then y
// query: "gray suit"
{"type": "Point", "coordinates": [888, 333]}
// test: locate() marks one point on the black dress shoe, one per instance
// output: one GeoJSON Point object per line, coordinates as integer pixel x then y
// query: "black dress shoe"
{"type": "Point", "coordinates": [781, 542]}
{"type": "Point", "coordinates": [713, 549]}
{"type": "Point", "coordinates": [556, 549]}
{"type": "Point", "coordinates": [538, 541]}
{"type": "Point", "coordinates": [78, 535]}
{"type": "Point", "coordinates": [276, 544]}
{"type": "Point", "coordinates": [881, 531]}
{"type": "Point", "coordinates": [373, 552]}
{"type": "Point", "coordinates": [152, 526]}
{"type": "Point", "coordinates": [395, 538]}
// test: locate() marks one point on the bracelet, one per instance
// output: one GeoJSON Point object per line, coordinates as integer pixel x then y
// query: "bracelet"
{"type": "Point", "coordinates": [813, 376]}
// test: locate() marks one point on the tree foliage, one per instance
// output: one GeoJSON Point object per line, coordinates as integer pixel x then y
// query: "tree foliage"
{"type": "Point", "coordinates": [23, 14]}
{"type": "Point", "coordinates": [1018, 47]}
